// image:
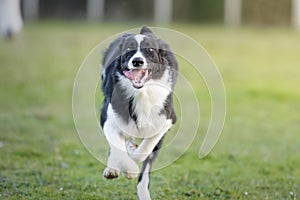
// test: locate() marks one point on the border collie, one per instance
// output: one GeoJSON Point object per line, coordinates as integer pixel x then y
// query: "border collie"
{"type": "Point", "coordinates": [138, 78]}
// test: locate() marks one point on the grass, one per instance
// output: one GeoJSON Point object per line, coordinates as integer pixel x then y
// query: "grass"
{"type": "Point", "coordinates": [257, 156]}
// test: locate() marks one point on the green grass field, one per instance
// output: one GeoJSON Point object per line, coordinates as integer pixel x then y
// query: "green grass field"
{"type": "Point", "coordinates": [257, 156]}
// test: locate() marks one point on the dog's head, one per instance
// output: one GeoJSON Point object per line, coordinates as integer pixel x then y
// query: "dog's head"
{"type": "Point", "coordinates": [143, 57]}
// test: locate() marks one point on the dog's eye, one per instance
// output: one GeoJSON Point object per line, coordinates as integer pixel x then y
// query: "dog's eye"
{"type": "Point", "coordinates": [150, 50]}
{"type": "Point", "coordinates": [128, 49]}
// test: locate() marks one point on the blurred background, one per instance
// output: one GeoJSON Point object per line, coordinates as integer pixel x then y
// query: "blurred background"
{"type": "Point", "coordinates": [254, 43]}
{"type": "Point", "coordinates": [237, 12]}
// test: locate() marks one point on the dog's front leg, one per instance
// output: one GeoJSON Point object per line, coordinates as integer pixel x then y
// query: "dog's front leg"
{"type": "Point", "coordinates": [146, 147]}
{"type": "Point", "coordinates": [118, 158]}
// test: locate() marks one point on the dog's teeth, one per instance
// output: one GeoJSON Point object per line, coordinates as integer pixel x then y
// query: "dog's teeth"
{"type": "Point", "coordinates": [137, 76]}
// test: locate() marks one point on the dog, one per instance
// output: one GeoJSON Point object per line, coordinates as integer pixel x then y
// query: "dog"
{"type": "Point", "coordinates": [138, 77]}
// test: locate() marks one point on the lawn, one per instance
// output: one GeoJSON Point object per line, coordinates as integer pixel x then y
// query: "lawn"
{"type": "Point", "coordinates": [256, 157]}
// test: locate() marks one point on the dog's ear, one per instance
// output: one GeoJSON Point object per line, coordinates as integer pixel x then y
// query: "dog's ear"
{"type": "Point", "coordinates": [146, 30]}
{"type": "Point", "coordinates": [122, 39]}
{"type": "Point", "coordinates": [115, 50]}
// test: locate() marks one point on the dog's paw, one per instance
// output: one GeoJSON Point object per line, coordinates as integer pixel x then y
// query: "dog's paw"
{"type": "Point", "coordinates": [130, 175]}
{"type": "Point", "coordinates": [110, 173]}
{"type": "Point", "coordinates": [130, 146]}
{"type": "Point", "coordinates": [129, 168]}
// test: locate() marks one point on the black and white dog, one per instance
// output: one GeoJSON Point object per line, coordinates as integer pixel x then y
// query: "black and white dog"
{"type": "Point", "coordinates": [138, 78]}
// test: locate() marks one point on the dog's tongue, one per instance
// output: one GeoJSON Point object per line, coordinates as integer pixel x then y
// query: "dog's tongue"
{"type": "Point", "coordinates": [137, 76]}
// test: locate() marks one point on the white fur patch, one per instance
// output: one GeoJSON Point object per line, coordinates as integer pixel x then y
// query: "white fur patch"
{"type": "Point", "coordinates": [142, 187]}
{"type": "Point", "coordinates": [139, 38]}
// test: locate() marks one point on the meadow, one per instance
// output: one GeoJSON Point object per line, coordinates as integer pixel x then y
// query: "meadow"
{"type": "Point", "coordinates": [256, 157]}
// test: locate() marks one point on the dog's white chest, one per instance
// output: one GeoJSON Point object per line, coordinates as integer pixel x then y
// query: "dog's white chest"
{"type": "Point", "coordinates": [148, 104]}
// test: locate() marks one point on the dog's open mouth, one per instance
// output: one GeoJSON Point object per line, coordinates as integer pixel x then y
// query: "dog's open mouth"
{"type": "Point", "coordinates": [138, 77]}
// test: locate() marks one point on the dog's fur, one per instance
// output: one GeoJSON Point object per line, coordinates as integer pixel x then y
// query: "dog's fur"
{"type": "Point", "coordinates": [138, 78]}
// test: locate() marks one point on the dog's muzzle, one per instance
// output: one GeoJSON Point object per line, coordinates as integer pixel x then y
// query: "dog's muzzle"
{"type": "Point", "coordinates": [138, 77]}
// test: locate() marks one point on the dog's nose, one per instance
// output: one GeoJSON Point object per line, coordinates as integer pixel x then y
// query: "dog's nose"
{"type": "Point", "coordinates": [137, 62]}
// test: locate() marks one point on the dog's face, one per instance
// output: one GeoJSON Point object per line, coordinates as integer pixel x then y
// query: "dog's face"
{"type": "Point", "coordinates": [141, 58]}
